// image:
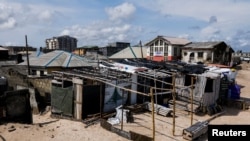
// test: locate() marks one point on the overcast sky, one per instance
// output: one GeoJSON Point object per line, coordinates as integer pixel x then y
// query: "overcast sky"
{"type": "Point", "coordinates": [99, 22]}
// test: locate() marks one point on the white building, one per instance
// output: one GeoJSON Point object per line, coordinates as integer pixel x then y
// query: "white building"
{"type": "Point", "coordinates": [65, 43]}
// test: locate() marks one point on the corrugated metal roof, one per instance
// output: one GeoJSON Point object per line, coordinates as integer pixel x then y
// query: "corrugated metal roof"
{"type": "Point", "coordinates": [58, 58]}
{"type": "Point", "coordinates": [176, 41]}
{"type": "Point", "coordinates": [128, 53]}
{"type": "Point", "coordinates": [7, 63]}
{"type": "Point", "coordinates": [171, 40]}
{"type": "Point", "coordinates": [1, 48]}
{"type": "Point", "coordinates": [203, 45]}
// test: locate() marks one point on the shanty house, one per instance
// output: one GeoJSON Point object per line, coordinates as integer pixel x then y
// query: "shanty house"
{"type": "Point", "coordinates": [206, 88]}
{"type": "Point", "coordinates": [164, 48]}
{"type": "Point", "coordinates": [89, 91]}
{"type": "Point", "coordinates": [207, 52]}
{"type": "Point", "coordinates": [3, 54]}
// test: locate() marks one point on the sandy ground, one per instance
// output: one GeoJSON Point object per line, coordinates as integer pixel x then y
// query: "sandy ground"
{"type": "Point", "coordinates": [46, 128]}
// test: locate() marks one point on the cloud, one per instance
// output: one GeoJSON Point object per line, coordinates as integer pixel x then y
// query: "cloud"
{"type": "Point", "coordinates": [121, 12]}
{"type": "Point", "coordinates": [195, 27]}
{"type": "Point", "coordinates": [211, 33]}
{"type": "Point", "coordinates": [212, 19]}
{"type": "Point", "coordinates": [99, 33]}
{"type": "Point", "coordinates": [46, 15]}
{"type": "Point", "coordinates": [240, 40]}
{"type": "Point", "coordinates": [13, 14]}
{"type": "Point", "coordinates": [225, 15]}
{"type": "Point", "coordinates": [106, 31]}
{"type": "Point", "coordinates": [201, 10]}
{"type": "Point", "coordinates": [8, 23]}
{"type": "Point", "coordinates": [7, 20]}
{"type": "Point", "coordinates": [222, 17]}
{"type": "Point", "coordinates": [10, 44]}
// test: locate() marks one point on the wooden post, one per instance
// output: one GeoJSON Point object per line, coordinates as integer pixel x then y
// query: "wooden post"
{"type": "Point", "coordinates": [98, 63]}
{"type": "Point", "coordinates": [122, 109]}
{"type": "Point", "coordinates": [141, 49]}
{"type": "Point", "coordinates": [101, 100]}
{"type": "Point", "coordinates": [153, 110]}
{"type": "Point", "coordinates": [27, 55]}
{"type": "Point", "coordinates": [173, 94]}
{"type": "Point", "coordinates": [156, 100]}
{"type": "Point", "coordinates": [192, 98]}
{"type": "Point", "coordinates": [78, 97]}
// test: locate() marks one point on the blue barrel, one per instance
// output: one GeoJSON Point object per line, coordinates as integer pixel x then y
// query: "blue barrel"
{"type": "Point", "coordinates": [235, 91]}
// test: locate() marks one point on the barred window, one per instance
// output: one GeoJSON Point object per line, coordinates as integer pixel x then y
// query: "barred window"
{"type": "Point", "coordinates": [200, 54]}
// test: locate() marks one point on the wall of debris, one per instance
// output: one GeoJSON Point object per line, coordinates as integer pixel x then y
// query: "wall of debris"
{"type": "Point", "coordinates": [17, 77]}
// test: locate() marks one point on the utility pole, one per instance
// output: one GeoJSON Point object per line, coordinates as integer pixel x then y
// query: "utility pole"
{"type": "Point", "coordinates": [27, 55]}
{"type": "Point", "coordinates": [141, 50]}
{"type": "Point", "coordinates": [153, 112]}
{"type": "Point", "coordinates": [174, 102]}
{"type": "Point", "coordinates": [98, 63]}
{"type": "Point", "coordinates": [192, 98]}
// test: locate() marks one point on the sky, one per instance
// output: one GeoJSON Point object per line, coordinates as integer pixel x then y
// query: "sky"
{"type": "Point", "coordinates": [100, 22]}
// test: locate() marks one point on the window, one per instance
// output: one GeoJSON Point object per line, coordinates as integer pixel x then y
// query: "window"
{"type": "Point", "coordinates": [33, 72]}
{"type": "Point", "coordinates": [165, 49]}
{"type": "Point", "coordinates": [161, 42]}
{"type": "Point", "coordinates": [188, 80]}
{"type": "Point", "coordinates": [156, 49]}
{"type": "Point", "coordinates": [161, 49]}
{"type": "Point", "coordinates": [156, 43]}
{"type": "Point", "coordinates": [200, 54]}
{"type": "Point", "coordinates": [151, 49]}
{"type": "Point", "coordinates": [185, 53]}
{"type": "Point", "coordinates": [209, 85]}
{"type": "Point", "coordinates": [175, 51]}
{"type": "Point", "coordinates": [41, 73]}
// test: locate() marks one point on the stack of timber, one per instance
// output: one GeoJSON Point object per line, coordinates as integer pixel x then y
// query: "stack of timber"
{"type": "Point", "coordinates": [242, 103]}
{"type": "Point", "coordinates": [246, 105]}
{"type": "Point", "coordinates": [95, 118]}
{"type": "Point", "coordinates": [182, 105]}
{"type": "Point", "coordinates": [198, 129]}
{"type": "Point", "coordinates": [160, 110]}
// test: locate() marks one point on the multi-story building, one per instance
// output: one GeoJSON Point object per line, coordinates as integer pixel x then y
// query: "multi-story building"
{"type": "Point", "coordinates": [65, 43]}
{"type": "Point", "coordinates": [113, 48]}
{"type": "Point", "coordinates": [164, 48]}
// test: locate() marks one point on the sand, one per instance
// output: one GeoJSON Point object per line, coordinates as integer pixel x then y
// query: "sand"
{"type": "Point", "coordinates": [46, 128]}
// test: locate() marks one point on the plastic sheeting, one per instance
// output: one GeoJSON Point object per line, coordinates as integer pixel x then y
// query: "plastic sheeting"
{"type": "Point", "coordinates": [62, 100]}
{"type": "Point", "coordinates": [120, 115]}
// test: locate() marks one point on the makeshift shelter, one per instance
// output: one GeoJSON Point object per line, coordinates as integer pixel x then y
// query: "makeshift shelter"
{"type": "Point", "coordinates": [205, 89]}
{"type": "Point", "coordinates": [83, 88]}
